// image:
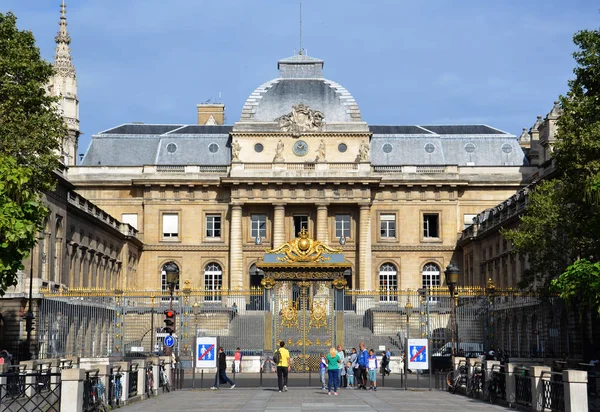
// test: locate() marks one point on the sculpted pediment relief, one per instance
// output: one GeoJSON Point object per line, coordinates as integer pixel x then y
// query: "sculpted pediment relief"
{"type": "Point", "coordinates": [301, 119]}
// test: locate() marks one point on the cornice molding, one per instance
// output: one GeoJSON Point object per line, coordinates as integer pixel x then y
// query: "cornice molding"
{"type": "Point", "coordinates": [185, 248]}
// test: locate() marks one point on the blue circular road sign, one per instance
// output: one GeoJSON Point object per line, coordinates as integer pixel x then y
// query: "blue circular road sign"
{"type": "Point", "coordinates": [169, 341]}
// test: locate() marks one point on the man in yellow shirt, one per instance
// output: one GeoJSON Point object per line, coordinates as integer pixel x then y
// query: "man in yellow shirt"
{"type": "Point", "coordinates": [283, 366]}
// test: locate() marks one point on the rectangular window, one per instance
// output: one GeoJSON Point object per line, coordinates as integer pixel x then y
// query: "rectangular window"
{"type": "Point", "coordinates": [258, 226]}
{"type": "Point", "coordinates": [388, 225]}
{"type": "Point", "coordinates": [431, 225]}
{"type": "Point", "coordinates": [468, 220]}
{"type": "Point", "coordinates": [342, 226]}
{"type": "Point", "coordinates": [131, 219]}
{"type": "Point", "coordinates": [170, 225]}
{"type": "Point", "coordinates": [213, 225]}
{"type": "Point", "coordinates": [300, 222]}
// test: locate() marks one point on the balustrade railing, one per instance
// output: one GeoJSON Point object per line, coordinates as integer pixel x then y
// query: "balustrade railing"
{"type": "Point", "coordinates": [30, 391]}
{"type": "Point", "coordinates": [522, 386]}
{"type": "Point", "coordinates": [133, 380]}
{"type": "Point", "coordinates": [553, 391]}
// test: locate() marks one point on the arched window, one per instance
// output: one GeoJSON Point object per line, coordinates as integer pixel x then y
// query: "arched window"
{"type": "Point", "coordinates": [168, 267]}
{"type": "Point", "coordinates": [213, 281]}
{"type": "Point", "coordinates": [431, 275]}
{"type": "Point", "coordinates": [388, 282]}
{"type": "Point", "coordinates": [256, 275]}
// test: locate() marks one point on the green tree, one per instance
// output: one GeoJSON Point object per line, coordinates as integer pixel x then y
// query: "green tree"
{"type": "Point", "coordinates": [21, 216]}
{"type": "Point", "coordinates": [560, 231]}
{"type": "Point", "coordinates": [31, 130]}
{"type": "Point", "coordinates": [580, 284]}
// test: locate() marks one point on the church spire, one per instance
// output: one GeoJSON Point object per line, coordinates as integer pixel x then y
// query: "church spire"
{"type": "Point", "coordinates": [62, 59]}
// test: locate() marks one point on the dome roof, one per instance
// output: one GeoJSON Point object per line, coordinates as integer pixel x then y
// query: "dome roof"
{"type": "Point", "coordinates": [300, 81]}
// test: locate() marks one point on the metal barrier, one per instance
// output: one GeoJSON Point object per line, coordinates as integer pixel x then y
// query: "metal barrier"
{"type": "Point", "coordinates": [133, 379]}
{"type": "Point", "coordinates": [522, 386]}
{"type": "Point", "coordinates": [93, 391]}
{"type": "Point", "coordinates": [115, 387]}
{"type": "Point", "coordinates": [43, 376]}
{"type": "Point", "coordinates": [29, 391]}
{"type": "Point", "coordinates": [553, 391]}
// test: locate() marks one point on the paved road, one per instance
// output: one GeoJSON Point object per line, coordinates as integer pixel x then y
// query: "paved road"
{"type": "Point", "coordinates": [308, 399]}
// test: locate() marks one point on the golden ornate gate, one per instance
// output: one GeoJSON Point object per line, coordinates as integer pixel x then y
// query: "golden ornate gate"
{"type": "Point", "coordinates": [302, 277]}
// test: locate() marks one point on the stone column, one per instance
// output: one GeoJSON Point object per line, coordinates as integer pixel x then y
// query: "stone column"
{"type": "Point", "coordinates": [364, 268]}
{"type": "Point", "coordinates": [537, 387]}
{"type": "Point", "coordinates": [322, 229]}
{"type": "Point", "coordinates": [279, 225]}
{"type": "Point", "coordinates": [576, 398]}
{"type": "Point", "coordinates": [236, 279]}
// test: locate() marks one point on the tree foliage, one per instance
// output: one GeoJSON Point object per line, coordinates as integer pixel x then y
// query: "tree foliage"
{"type": "Point", "coordinates": [560, 232]}
{"type": "Point", "coordinates": [580, 284]}
{"type": "Point", "coordinates": [21, 216]}
{"type": "Point", "coordinates": [31, 130]}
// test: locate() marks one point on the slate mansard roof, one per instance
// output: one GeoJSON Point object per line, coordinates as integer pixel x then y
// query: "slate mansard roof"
{"type": "Point", "coordinates": [159, 144]}
{"type": "Point", "coordinates": [155, 144]}
{"type": "Point", "coordinates": [463, 145]}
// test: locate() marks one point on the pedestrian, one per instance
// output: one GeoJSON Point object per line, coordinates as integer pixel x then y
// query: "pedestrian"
{"type": "Point", "coordinates": [384, 364]}
{"type": "Point", "coordinates": [363, 356]}
{"type": "Point", "coordinates": [353, 359]}
{"type": "Point", "coordinates": [222, 371]}
{"type": "Point", "coordinates": [283, 367]}
{"type": "Point", "coordinates": [372, 365]}
{"type": "Point", "coordinates": [350, 375]}
{"type": "Point", "coordinates": [237, 360]}
{"type": "Point", "coordinates": [333, 370]}
{"type": "Point", "coordinates": [322, 370]}
{"type": "Point", "coordinates": [342, 366]}
{"type": "Point", "coordinates": [388, 353]}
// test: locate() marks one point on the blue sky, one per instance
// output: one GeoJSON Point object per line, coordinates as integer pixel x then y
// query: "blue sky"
{"type": "Point", "coordinates": [406, 62]}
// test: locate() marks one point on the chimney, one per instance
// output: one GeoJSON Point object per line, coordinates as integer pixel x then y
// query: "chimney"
{"type": "Point", "coordinates": [211, 114]}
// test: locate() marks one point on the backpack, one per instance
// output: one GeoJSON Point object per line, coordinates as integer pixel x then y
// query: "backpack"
{"type": "Point", "coordinates": [276, 357]}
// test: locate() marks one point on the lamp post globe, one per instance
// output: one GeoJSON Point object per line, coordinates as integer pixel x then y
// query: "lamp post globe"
{"type": "Point", "coordinates": [452, 275]}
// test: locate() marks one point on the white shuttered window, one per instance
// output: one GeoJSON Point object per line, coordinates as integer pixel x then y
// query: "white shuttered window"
{"type": "Point", "coordinates": [170, 225]}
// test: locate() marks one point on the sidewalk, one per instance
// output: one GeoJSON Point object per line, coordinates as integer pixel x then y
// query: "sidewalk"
{"type": "Point", "coordinates": [307, 399]}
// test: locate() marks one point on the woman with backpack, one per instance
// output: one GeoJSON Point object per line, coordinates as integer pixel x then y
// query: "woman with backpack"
{"type": "Point", "coordinates": [333, 370]}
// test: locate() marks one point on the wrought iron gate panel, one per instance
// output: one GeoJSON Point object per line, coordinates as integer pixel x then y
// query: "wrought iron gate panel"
{"type": "Point", "coordinates": [304, 321]}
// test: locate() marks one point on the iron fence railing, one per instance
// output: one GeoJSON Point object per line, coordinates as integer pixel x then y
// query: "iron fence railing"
{"type": "Point", "coordinates": [133, 379]}
{"type": "Point", "coordinates": [115, 387]}
{"type": "Point", "coordinates": [127, 323]}
{"type": "Point", "coordinates": [93, 391]}
{"type": "Point", "coordinates": [553, 391]}
{"type": "Point", "coordinates": [30, 391]}
{"type": "Point", "coordinates": [522, 386]}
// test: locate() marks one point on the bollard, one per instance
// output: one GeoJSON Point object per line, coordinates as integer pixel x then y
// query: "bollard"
{"type": "Point", "coordinates": [141, 389]}
{"type": "Point", "coordinates": [202, 379]}
{"type": "Point", "coordinates": [309, 378]}
{"type": "Point", "coordinates": [260, 378]}
{"type": "Point", "coordinates": [71, 399]}
{"type": "Point", "coordinates": [383, 380]}
{"type": "Point", "coordinates": [575, 387]}
{"type": "Point", "coordinates": [511, 390]}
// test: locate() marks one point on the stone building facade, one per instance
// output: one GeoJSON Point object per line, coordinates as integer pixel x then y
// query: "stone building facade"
{"type": "Point", "coordinates": [212, 197]}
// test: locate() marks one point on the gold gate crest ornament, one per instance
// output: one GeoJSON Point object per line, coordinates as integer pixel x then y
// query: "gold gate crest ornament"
{"type": "Point", "coordinates": [303, 249]}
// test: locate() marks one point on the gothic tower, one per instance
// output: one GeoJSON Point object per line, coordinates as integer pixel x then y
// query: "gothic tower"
{"type": "Point", "coordinates": [64, 85]}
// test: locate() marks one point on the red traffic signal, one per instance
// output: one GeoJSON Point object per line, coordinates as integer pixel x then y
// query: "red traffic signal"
{"type": "Point", "coordinates": [169, 321]}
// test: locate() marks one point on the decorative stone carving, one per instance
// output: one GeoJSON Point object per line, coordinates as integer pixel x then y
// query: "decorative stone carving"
{"type": "Point", "coordinates": [235, 151]}
{"type": "Point", "coordinates": [363, 152]}
{"type": "Point", "coordinates": [321, 152]}
{"type": "Point", "coordinates": [279, 152]}
{"type": "Point", "coordinates": [301, 119]}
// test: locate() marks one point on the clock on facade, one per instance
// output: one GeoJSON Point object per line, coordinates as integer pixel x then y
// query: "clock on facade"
{"type": "Point", "coordinates": [300, 148]}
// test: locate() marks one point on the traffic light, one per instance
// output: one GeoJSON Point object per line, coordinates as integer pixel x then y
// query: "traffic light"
{"type": "Point", "coordinates": [169, 321]}
{"type": "Point", "coordinates": [29, 323]}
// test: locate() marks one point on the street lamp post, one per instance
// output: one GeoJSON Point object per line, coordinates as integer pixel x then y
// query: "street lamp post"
{"type": "Point", "coordinates": [408, 308]}
{"type": "Point", "coordinates": [451, 273]}
{"type": "Point", "coordinates": [172, 281]}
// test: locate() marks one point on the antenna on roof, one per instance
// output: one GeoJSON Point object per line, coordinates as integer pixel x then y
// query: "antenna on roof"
{"type": "Point", "coordinates": [300, 51]}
